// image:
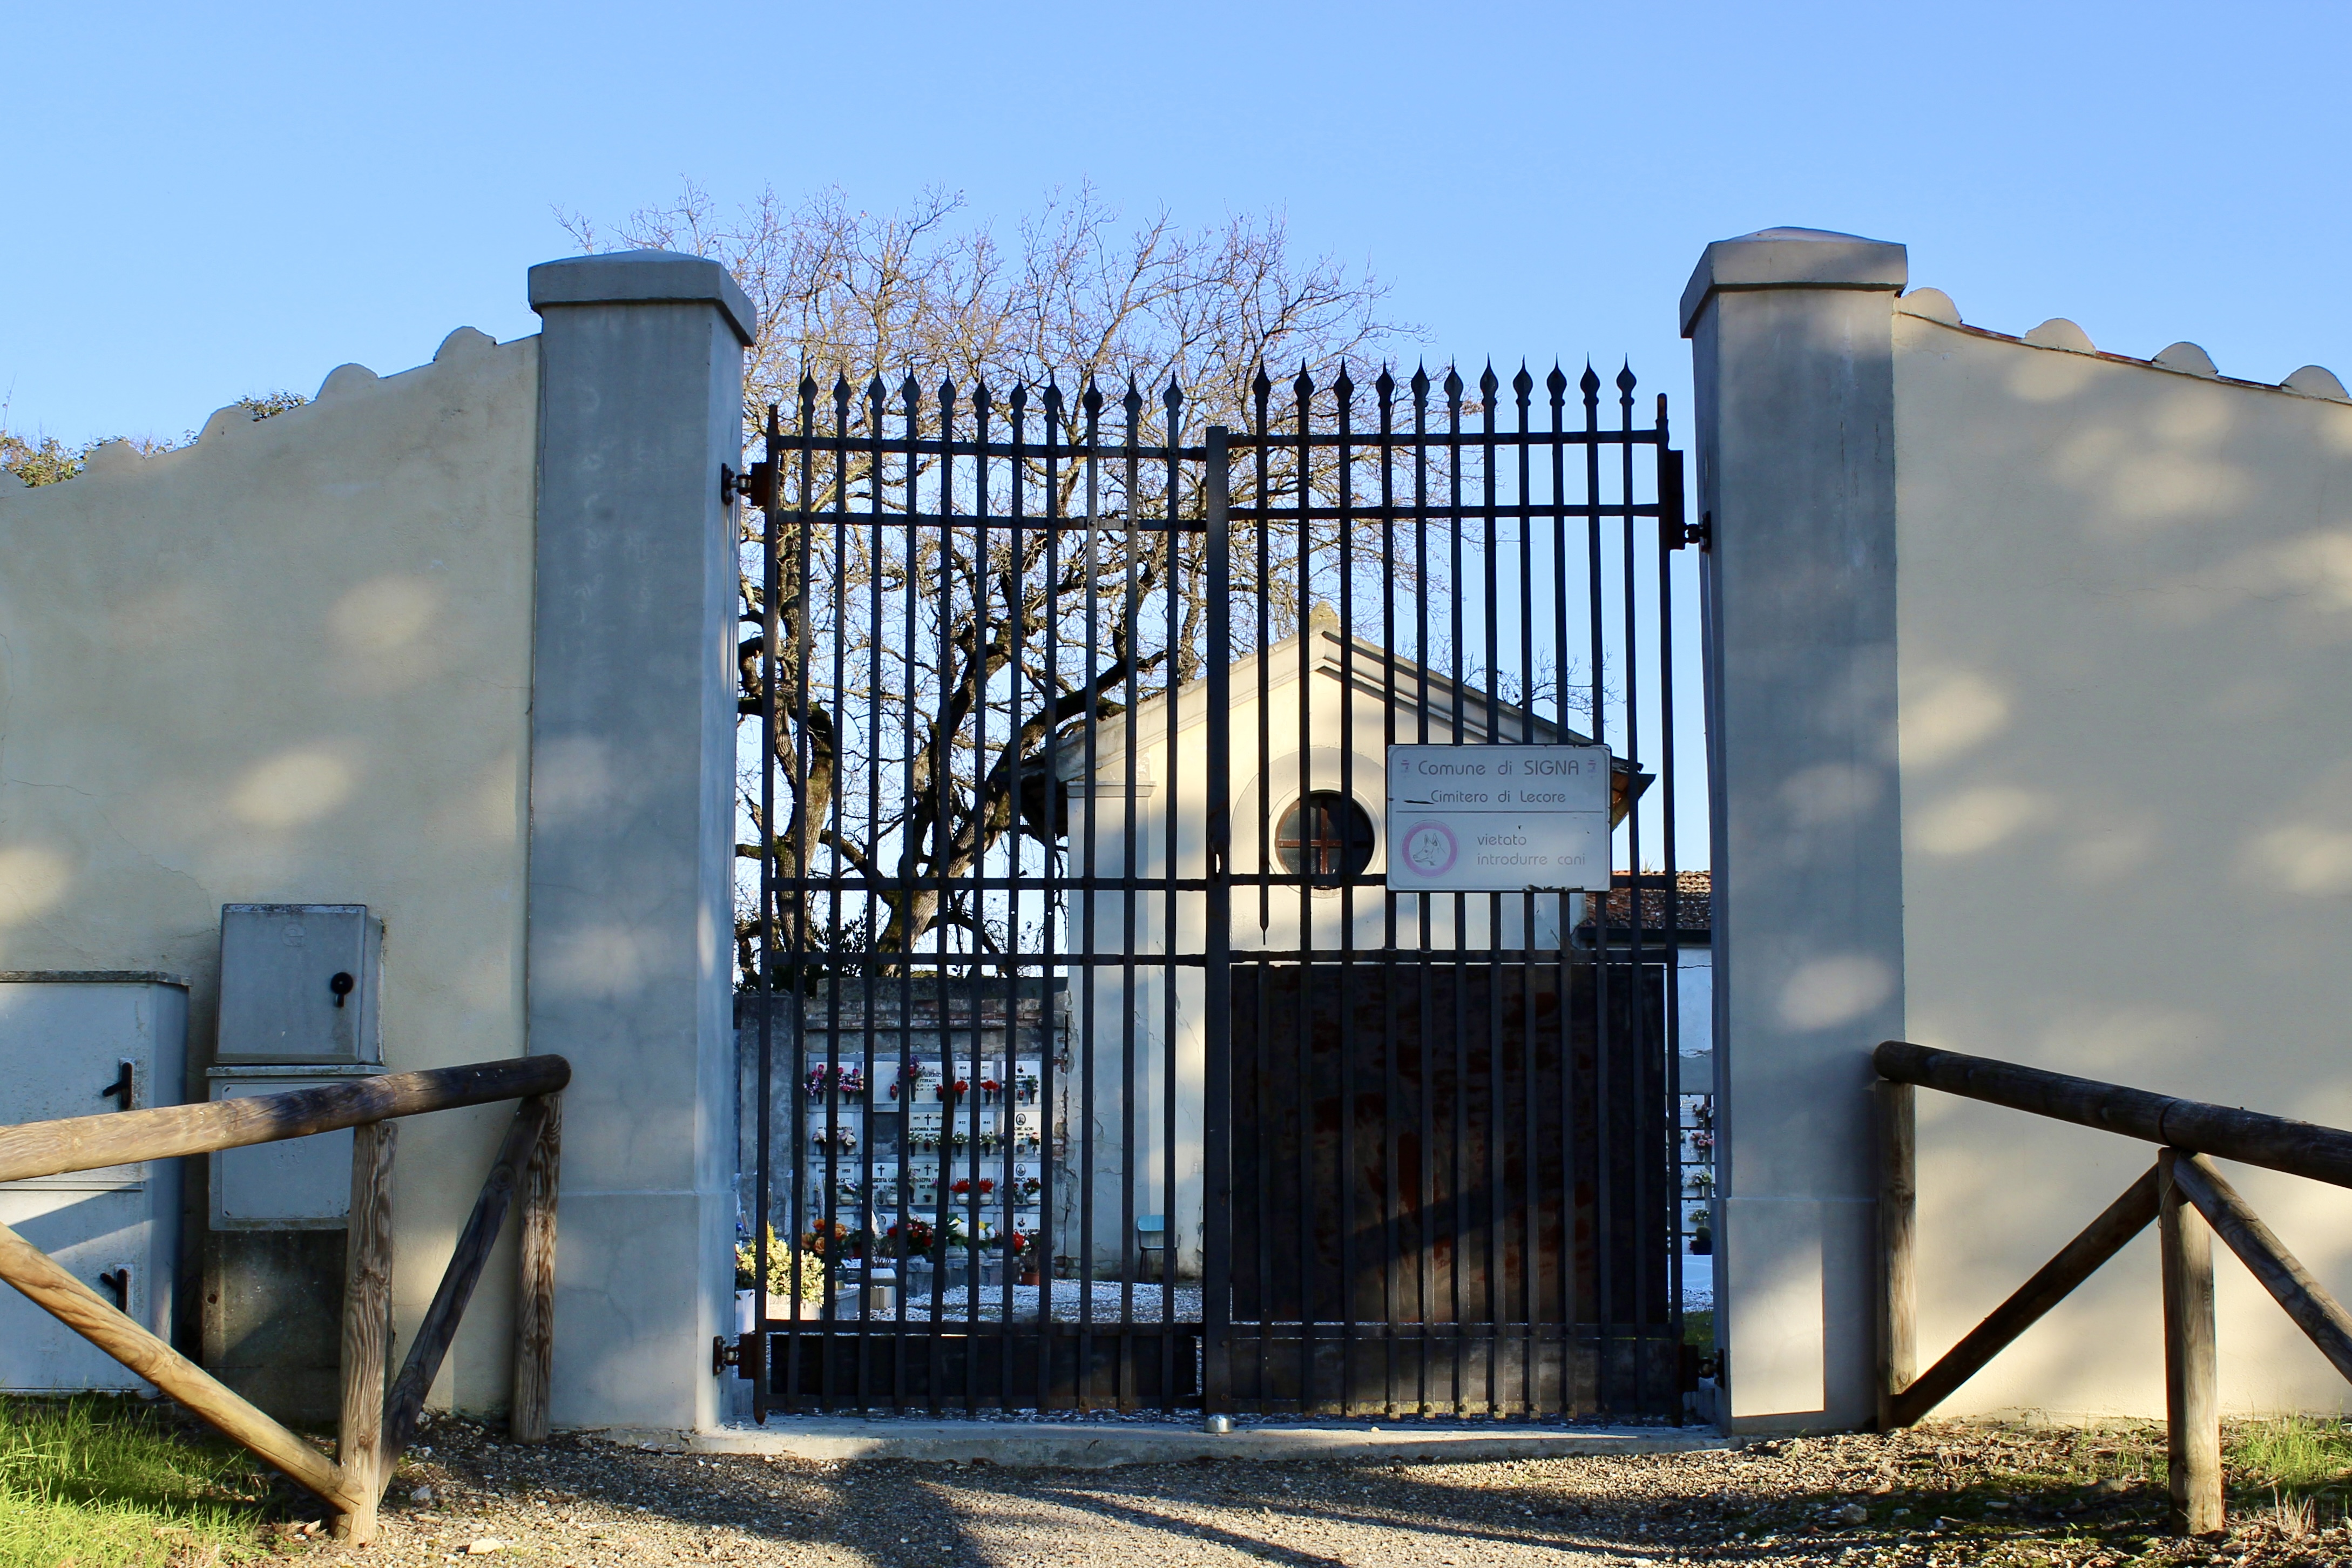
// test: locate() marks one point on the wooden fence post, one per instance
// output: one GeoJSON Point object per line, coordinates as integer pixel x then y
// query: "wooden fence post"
{"type": "Point", "coordinates": [535, 1293]}
{"type": "Point", "coordinates": [2191, 1397]}
{"type": "Point", "coordinates": [367, 1328]}
{"type": "Point", "coordinates": [1898, 1194]}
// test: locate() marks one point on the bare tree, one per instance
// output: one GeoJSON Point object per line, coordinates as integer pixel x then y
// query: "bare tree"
{"type": "Point", "coordinates": [950, 672]}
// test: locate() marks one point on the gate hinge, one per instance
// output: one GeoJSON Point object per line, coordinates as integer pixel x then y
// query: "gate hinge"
{"type": "Point", "coordinates": [742, 1354]}
{"type": "Point", "coordinates": [1673, 533]}
{"type": "Point", "coordinates": [756, 484]}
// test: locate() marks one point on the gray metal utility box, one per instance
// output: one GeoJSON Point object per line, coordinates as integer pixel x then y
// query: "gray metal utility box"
{"type": "Point", "coordinates": [300, 1183]}
{"type": "Point", "coordinates": [84, 1043]}
{"type": "Point", "coordinates": [299, 984]}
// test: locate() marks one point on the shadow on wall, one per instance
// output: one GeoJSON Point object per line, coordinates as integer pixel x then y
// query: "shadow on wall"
{"type": "Point", "coordinates": [2126, 603]}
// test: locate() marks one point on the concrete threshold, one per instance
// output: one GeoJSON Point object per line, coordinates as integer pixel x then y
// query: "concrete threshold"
{"type": "Point", "coordinates": [1092, 1445]}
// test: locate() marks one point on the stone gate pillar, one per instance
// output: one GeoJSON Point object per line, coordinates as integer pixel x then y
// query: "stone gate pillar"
{"type": "Point", "coordinates": [632, 836]}
{"type": "Point", "coordinates": [1792, 352]}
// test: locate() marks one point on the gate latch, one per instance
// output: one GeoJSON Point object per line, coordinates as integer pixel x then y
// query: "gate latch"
{"type": "Point", "coordinates": [756, 485]}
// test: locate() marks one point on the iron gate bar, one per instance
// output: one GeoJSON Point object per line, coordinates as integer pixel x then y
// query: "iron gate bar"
{"type": "Point", "coordinates": [1093, 448]}
{"type": "Point", "coordinates": [1670, 485]}
{"type": "Point", "coordinates": [1634, 819]}
{"type": "Point", "coordinates": [1447, 513]}
{"type": "Point", "coordinates": [1217, 1069]}
{"type": "Point", "coordinates": [1173, 403]}
{"type": "Point", "coordinates": [1425, 1252]}
{"type": "Point", "coordinates": [1391, 1237]}
{"type": "Point", "coordinates": [1092, 403]}
{"type": "Point", "coordinates": [1530, 1242]}
{"type": "Point", "coordinates": [1302, 390]}
{"type": "Point", "coordinates": [1556, 396]}
{"type": "Point", "coordinates": [1261, 394]}
{"type": "Point", "coordinates": [1589, 385]}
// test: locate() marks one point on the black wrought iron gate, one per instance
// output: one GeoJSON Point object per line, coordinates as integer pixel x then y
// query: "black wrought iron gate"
{"type": "Point", "coordinates": [1100, 1059]}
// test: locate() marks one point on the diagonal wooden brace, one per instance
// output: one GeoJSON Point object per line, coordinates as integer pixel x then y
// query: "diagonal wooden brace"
{"type": "Point", "coordinates": [406, 1403]}
{"type": "Point", "coordinates": [2077, 1261]}
{"type": "Point", "coordinates": [83, 1310]}
{"type": "Point", "coordinates": [2315, 1311]}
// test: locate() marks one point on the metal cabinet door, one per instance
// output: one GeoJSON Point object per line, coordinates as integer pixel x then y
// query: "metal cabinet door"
{"type": "Point", "coordinates": [104, 1239]}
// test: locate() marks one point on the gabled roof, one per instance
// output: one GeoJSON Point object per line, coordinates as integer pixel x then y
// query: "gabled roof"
{"type": "Point", "coordinates": [1368, 668]}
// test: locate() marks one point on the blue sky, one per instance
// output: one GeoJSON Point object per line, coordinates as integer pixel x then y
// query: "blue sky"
{"type": "Point", "coordinates": [212, 200]}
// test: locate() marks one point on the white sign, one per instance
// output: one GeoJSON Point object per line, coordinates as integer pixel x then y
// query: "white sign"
{"type": "Point", "coordinates": [1508, 819]}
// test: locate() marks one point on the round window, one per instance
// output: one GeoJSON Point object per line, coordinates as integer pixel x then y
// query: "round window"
{"type": "Point", "coordinates": [1326, 836]}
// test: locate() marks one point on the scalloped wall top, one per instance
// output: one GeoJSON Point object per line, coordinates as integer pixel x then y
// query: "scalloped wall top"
{"type": "Point", "coordinates": [2183, 358]}
{"type": "Point", "coordinates": [2316, 381]}
{"type": "Point", "coordinates": [345, 379]}
{"type": "Point", "coordinates": [1933, 304]}
{"type": "Point", "coordinates": [114, 457]}
{"type": "Point", "coordinates": [463, 344]}
{"type": "Point", "coordinates": [2058, 332]}
{"type": "Point", "coordinates": [2187, 358]}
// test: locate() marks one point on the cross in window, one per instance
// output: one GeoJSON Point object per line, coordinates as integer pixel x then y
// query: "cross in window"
{"type": "Point", "coordinates": [1322, 842]}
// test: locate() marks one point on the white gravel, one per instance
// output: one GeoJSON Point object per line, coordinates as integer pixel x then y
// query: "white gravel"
{"type": "Point", "coordinates": [1067, 1295]}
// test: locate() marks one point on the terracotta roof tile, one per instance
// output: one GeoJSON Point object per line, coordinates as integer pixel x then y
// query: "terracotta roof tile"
{"type": "Point", "coordinates": [1693, 910]}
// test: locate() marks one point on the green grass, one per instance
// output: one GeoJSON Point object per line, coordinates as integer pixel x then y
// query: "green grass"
{"type": "Point", "coordinates": [2292, 1472]}
{"type": "Point", "coordinates": [2292, 1456]}
{"type": "Point", "coordinates": [99, 1482]}
{"type": "Point", "coordinates": [1699, 1329]}
{"type": "Point", "coordinates": [2299, 1455]}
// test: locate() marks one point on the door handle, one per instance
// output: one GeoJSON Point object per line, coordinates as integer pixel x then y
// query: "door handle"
{"type": "Point", "coordinates": [121, 1089]}
{"type": "Point", "coordinates": [118, 1281]}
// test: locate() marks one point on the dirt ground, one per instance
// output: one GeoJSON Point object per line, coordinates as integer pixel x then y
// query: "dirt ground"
{"type": "Point", "coordinates": [1938, 1495]}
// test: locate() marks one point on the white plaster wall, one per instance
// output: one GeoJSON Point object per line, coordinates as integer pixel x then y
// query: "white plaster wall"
{"type": "Point", "coordinates": [2126, 610]}
{"type": "Point", "coordinates": [292, 663]}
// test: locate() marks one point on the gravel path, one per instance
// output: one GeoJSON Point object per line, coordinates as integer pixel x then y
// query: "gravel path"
{"type": "Point", "coordinates": [1944, 1495]}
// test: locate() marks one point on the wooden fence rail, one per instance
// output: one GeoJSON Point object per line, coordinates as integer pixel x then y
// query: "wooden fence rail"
{"type": "Point", "coordinates": [377, 1420]}
{"type": "Point", "coordinates": [2184, 1195]}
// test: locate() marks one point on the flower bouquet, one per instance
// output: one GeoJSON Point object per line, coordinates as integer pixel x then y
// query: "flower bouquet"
{"type": "Point", "coordinates": [910, 1079]}
{"type": "Point", "coordinates": [911, 1239]}
{"type": "Point", "coordinates": [828, 1239]}
{"type": "Point", "coordinates": [989, 1089]}
{"type": "Point", "coordinates": [1023, 1249]}
{"type": "Point", "coordinates": [1024, 1087]}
